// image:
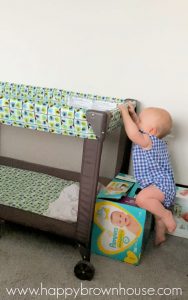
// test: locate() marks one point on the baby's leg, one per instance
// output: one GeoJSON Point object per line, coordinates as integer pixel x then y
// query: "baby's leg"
{"type": "Point", "coordinates": [151, 198]}
{"type": "Point", "coordinates": [160, 231]}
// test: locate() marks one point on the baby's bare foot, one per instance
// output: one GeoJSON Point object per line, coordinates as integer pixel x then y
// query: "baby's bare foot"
{"type": "Point", "coordinates": [160, 232]}
{"type": "Point", "coordinates": [159, 240]}
{"type": "Point", "coordinates": [169, 221]}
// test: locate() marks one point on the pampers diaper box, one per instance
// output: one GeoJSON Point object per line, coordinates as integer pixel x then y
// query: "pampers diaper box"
{"type": "Point", "coordinates": [119, 228]}
{"type": "Point", "coordinates": [180, 211]}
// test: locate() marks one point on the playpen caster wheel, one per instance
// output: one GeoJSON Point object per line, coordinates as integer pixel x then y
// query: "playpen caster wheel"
{"type": "Point", "coordinates": [84, 270]}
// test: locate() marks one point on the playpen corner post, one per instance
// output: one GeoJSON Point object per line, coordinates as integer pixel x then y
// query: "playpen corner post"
{"type": "Point", "coordinates": [91, 157]}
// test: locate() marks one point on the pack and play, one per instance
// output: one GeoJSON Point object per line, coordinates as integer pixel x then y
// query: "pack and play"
{"type": "Point", "coordinates": [120, 228]}
{"type": "Point", "coordinates": [27, 189]}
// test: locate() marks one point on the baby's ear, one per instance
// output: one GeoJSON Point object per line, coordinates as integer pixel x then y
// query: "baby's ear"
{"type": "Point", "coordinates": [153, 131]}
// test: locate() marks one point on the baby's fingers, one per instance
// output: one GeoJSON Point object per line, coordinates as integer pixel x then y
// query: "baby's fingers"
{"type": "Point", "coordinates": [131, 106]}
{"type": "Point", "coordinates": [122, 107]}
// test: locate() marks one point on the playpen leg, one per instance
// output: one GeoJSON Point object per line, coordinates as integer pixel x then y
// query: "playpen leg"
{"type": "Point", "coordinates": [2, 227]}
{"type": "Point", "coordinates": [85, 252]}
{"type": "Point", "coordinates": [88, 187]}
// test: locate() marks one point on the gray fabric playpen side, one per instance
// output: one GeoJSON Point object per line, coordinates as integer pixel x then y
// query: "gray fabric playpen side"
{"type": "Point", "coordinates": [88, 178]}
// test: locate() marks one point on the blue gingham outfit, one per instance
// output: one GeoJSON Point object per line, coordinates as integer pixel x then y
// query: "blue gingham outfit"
{"type": "Point", "coordinates": [152, 167]}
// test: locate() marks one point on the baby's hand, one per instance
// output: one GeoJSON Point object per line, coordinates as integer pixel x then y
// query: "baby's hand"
{"type": "Point", "coordinates": [122, 107]}
{"type": "Point", "coordinates": [131, 107]}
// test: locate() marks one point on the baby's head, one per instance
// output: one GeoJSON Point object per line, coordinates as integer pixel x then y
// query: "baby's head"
{"type": "Point", "coordinates": [119, 218]}
{"type": "Point", "coordinates": [156, 121]}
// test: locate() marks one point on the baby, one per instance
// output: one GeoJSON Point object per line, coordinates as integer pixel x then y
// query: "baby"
{"type": "Point", "coordinates": [151, 164]}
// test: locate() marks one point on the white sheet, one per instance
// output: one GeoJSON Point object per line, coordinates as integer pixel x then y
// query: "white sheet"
{"type": "Point", "coordinates": [65, 208]}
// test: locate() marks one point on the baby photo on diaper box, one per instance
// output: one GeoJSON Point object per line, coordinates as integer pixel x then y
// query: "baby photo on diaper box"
{"type": "Point", "coordinates": [115, 189]}
{"type": "Point", "coordinates": [118, 231]}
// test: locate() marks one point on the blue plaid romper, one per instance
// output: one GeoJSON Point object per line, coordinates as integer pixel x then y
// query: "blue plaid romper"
{"type": "Point", "coordinates": [152, 167]}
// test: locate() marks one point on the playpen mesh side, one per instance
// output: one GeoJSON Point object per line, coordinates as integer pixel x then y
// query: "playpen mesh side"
{"type": "Point", "coordinates": [28, 190]}
{"type": "Point", "coordinates": [49, 110]}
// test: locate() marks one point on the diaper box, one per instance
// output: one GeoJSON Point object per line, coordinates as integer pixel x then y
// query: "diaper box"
{"type": "Point", "coordinates": [116, 189]}
{"type": "Point", "coordinates": [118, 231]}
{"type": "Point", "coordinates": [180, 212]}
{"type": "Point", "coordinates": [120, 228]}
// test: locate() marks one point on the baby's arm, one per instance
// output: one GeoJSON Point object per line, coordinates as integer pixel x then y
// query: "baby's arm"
{"type": "Point", "coordinates": [132, 129]}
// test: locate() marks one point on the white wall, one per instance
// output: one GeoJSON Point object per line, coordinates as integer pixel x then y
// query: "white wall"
{"type": "Point", "coordinates": [121, 48]}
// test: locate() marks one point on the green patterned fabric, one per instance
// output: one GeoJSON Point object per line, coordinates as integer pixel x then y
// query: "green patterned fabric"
{"type": "Point", "coordinates": [28, 190]}
{"type": "Point", "coordinates": [48, 110]}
